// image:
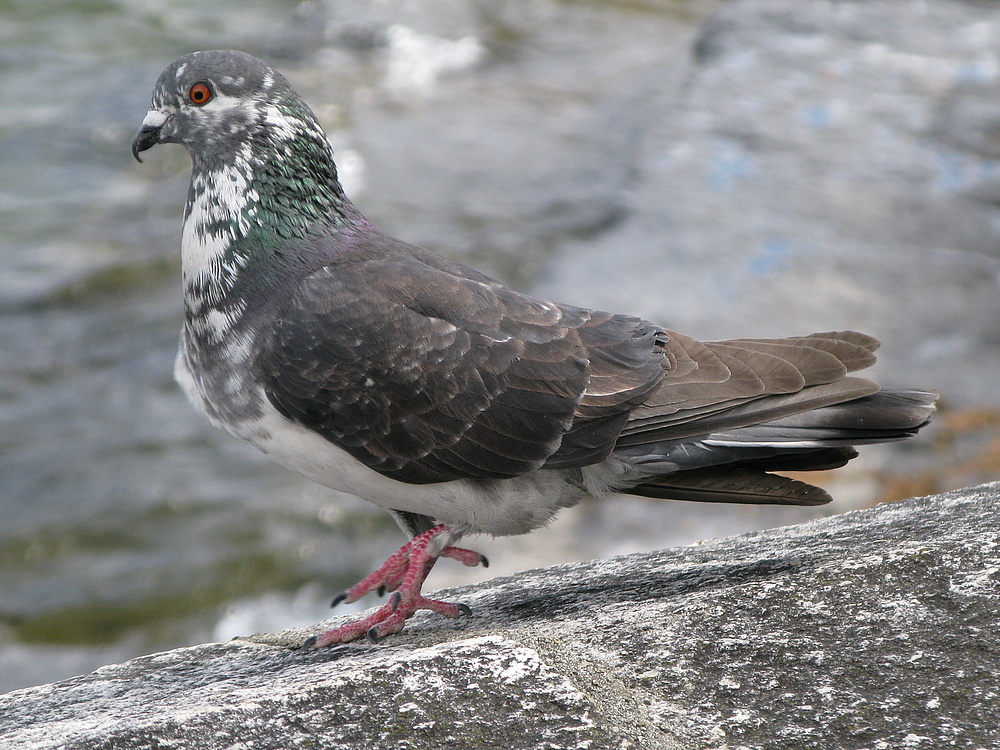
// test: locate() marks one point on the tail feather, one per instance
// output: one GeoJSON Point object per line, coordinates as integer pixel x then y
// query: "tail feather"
{"type": "Point", "coordinates": [881, 417]}
{"type": "Point", "coordinates": [732, 465]}
{"type": "Point", "coordinates": [822, 459]}
{"type": "Point", "coordinates": [732, 484]}
{"type": "Point", "coordinates": [727, 413]}
{"type": "Point", "coordinates": [743, 413]}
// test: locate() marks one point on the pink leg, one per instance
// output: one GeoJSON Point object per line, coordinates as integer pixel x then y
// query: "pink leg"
{"type": "Point", "coordinates": [403, 573]}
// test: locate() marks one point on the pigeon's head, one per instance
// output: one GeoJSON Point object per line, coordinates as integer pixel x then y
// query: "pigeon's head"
{"type": "Point", "coordinates": [219, 102]}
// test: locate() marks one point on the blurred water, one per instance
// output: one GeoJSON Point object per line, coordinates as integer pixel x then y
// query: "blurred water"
{"type": "Point", "coordinates": [504, 132]}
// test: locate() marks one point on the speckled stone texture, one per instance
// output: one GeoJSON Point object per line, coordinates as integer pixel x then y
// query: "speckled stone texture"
{"type": "Point", "coordinates": [874, 629]}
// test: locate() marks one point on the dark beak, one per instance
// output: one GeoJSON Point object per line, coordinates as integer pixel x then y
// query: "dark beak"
{"type": "Point", "coordinates": [149, 134]}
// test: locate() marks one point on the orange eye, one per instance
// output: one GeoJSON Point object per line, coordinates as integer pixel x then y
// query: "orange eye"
{"type": "Point", "coordinates": [200, 94]}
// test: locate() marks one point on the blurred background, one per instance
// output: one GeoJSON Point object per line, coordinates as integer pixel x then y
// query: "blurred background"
{"type": "Point", "coordinates": [767, 167]}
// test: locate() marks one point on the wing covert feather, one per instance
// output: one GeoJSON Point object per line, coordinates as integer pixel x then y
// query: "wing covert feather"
{"type": "Point", "coordinates": [426, 376]}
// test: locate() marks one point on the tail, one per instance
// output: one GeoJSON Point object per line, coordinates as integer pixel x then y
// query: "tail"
{"type": "Point", "coordinates": [733, 465]}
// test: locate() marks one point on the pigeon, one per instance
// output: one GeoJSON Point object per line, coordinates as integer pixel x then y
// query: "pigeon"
{"type": "Point", "coordinates": [441, 395]}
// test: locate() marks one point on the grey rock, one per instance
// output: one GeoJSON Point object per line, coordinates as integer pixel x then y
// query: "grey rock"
{"type": "Point", "coordinates": [873, 629]}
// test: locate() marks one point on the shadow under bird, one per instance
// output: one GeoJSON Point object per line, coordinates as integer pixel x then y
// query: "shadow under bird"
{"type": "Point", "coordinates": [441, 395]}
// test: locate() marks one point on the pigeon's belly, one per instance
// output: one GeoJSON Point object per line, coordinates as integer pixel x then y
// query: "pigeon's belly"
{"type": "Point", "coordinates": [497, 507]}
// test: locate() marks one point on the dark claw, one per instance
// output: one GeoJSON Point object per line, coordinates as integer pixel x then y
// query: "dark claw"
{"type": "Point", "coordinates": [394, 600]}
{"type": "Point", "coordinates": [372, 634]}
{"type": "Point", "coordinates": [338, 599]}
{"type": "Point", "coordinates": [308, 643]}
{"type": "Point", "coordinates": [380, 590]}
{"type": "Point", "coordinates": [464, 610]}
{"type": "Point", "coordinates": [484, 561]}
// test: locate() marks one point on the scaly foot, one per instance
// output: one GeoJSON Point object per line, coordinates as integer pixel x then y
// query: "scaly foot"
{"type": "Point", "coordinates": [403, 573]}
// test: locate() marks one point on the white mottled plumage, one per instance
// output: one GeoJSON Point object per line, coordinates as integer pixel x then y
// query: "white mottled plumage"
{"type": "Point", "coordinates": [221, 208]}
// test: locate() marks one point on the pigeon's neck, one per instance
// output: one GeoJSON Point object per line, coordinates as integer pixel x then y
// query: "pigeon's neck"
{"type": "Point", "coordinates": [252, 223]}
{"type": "Point", "coordinates": [252, 218]}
